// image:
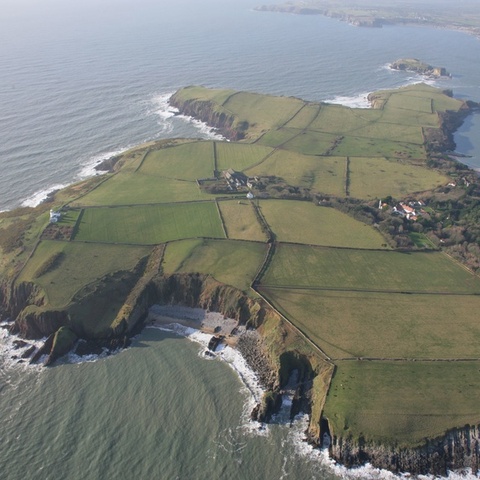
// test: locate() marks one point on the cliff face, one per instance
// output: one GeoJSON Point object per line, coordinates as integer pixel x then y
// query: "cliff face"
{"type": "Point", "coordinates": [458, 449]}
{"type": "Point", "coordinates": [208, 112]}
{"type": "Point", "coordinates": [268, 353]}
{"type": "Point", "coordinates": [23, 303]}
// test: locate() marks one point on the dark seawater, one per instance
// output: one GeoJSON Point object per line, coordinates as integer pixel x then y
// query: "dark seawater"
{"type": "Point", "coordinates": [82, 80]}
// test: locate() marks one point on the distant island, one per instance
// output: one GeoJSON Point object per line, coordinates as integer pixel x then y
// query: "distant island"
{"type": "Point", "coordinates": [343, 243]}
{"type": "Point", "coordinates": [376, 13]}
{"type": "Point", "coordinates": [416, 66]}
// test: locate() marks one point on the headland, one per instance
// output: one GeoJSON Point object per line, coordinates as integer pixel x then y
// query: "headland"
{"type": "Point", "coordinates": [347, 239]}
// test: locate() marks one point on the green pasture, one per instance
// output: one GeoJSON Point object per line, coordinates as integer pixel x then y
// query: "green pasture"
{"type": "Point", "coordinates": [239, 156]}
{"type": "Point", "coordinates": [322, 174]}
{"type": "Point", "coordinates": [402, 402]}
{"type": "Point", "coordinates": [80, 265]}
{"type": "Point", "coordinates": [312, 143]}
{"type": "Point", "coordinates": [391, 131]}
{"type": "Point", "coordinates": [379, 177]}
{"type": "Point", "coordinates": [339, 120]}
{"type": "Point", "coordinates": [139, 188]}
{"type": "Point", "coordinates": [405, 101]}
{"type": "Point", "coordinates": [240, 220]}
{"type": "Point", "coordinates": [218, 96]}
{"type": "Point", "coordinates": [373, 147]}
{"type": "Point", "coordinates": [150, 224]}
{"type": "Point", "coordinates": [305, 116]}
{"type": "Point", "coordinates": [231, 262]}
{"type": "Point", "coordinates": [279, 137]}
{"type": "Point", "coordinates": [422, 93]}
{"type": "Point", "coordinates": [304, 222]}
{"type": "Point", "coordinates": [263, 112]}
{"type": "Point", "coordinates": [307, 266]}
{"type": "Point", "coordinates": [384, 325]}
{"type": "Point", "coordinates": [184, 162]}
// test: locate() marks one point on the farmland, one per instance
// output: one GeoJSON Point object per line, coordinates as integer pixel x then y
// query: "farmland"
{"type": "Point", "coordinates": [394, 325]}
{"type": "Point", "coordinates": [150, 224]}
{"type": "Point", "coordinates": [240, 221]}
{"type": "Point", "coordinates": [348, 324]}
{"type": "Point", "coordinates": [230, 262]}
{"type": "Point", "coordinates": [330, 268]}
{"type": "Point", "coordinates": [366, 399]}
{"type": "Point", "coordinates": [326, 226]}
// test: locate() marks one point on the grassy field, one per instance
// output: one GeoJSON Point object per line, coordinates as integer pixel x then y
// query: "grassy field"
{"type": "Point", "coordinates": [312, 143]}
{"type": "Point", "coordinates": [276, 138]}
{"type": "Point", "coordinates": [306, 266]}
{"type": "Point", "coordinates": [338, 119]}
{"type": "Point", "coordinates": [239, 156]}
{"type": "Point", "coordinates": [263, 112]}
{"type": "Point", "coordinates": [402, 402]}
{"type": "Point", "coordinates": [240, 221]}
{"type": "Point", "coordinates": [184, 162]}
{"type": "Point", "coordinates": [151, 224]}
{"type": "Point", "coordinates": [379, 177]}
{"type": "Point", "coordinates": [304, 222]}
{"type": "Point", "coordinates": [80, 264]}
{"type": "Point", "coordinates": [382, 325]}
{"type": "Point", "coordinates": [352, 146]}
{"type": "Point", "coordinates": [322, 174]}
{"type": "Point", "coordinates": [138, 188]}
{"type": "Point", "coordinates": [305, 116]}
{"type": "Point", "coordinates": [231, 262]}
{"type": "Point", "coordinates": [218, 96]}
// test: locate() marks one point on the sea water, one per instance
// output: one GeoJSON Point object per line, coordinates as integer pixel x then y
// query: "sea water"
{"type": "Point", "coordinates": [81, 81]}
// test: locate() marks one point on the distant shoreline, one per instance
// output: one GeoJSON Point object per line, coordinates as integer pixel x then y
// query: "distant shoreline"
{"type": "Point", "coordinates": [366, 20]}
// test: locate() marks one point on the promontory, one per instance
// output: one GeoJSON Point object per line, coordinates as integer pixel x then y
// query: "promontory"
{"type": "Point", "coordinates": [348, 239]}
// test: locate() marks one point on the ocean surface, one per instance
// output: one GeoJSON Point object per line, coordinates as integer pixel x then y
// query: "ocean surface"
{"type": "Point", "coordinates": [81, 81]}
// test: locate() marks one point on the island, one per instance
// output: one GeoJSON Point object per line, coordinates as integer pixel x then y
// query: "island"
{"type": "Point", "coordinates": [376, 13]}
{"type": "Point", "coordinates": [416, 66]}
{"type": "Point", "coordinates": [342, 242]}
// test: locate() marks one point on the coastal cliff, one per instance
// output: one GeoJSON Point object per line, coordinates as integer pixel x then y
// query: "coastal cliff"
{"type": "Point", "coordinates": [224, 122]}
{"type": "Point", "coordinates": [458, 449]}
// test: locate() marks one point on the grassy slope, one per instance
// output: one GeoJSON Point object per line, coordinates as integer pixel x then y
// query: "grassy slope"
{"type": "Point", "coordinates": [80, 265]}
{"type": "Point", "coordinates": [231, 262]}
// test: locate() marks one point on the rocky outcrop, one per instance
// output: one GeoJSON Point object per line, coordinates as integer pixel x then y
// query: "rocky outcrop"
{"type": "Point", "coordinates": [63, 342]}
{"type": "Point", "coordinates": [441, 140]}
{"type": "Point", "coordinates": [35, 323]}
{"type": "Point", "coordinates": [459, 449]}
{"type": "Point", "coordinates": [416, 66]}
{"type": "Point", "coordinates": [213, 115]}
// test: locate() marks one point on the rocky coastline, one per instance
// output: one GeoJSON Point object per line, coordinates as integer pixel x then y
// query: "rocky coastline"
{"type": "Point", "coordinates": [266, 345]}
{"type": "Point", "coordinates": [456, 450]}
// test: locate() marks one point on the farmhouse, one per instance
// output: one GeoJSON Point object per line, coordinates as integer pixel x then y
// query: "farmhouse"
{"type": "Point", "coordinates": [404, 210]}
{"type": "Point", "coordinates": [235, 179]}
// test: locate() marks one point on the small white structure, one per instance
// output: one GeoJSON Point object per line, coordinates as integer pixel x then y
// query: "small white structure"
{"type": "Point", "coordinates": [250, 195]}
{"type": "Point", "coordinates": [55, 216]}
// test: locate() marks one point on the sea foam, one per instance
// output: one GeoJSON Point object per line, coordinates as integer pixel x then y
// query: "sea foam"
{"type": "Point", "coordinates": [356, 101]}
{"type": "Point", "coordinates": [251, 385]}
